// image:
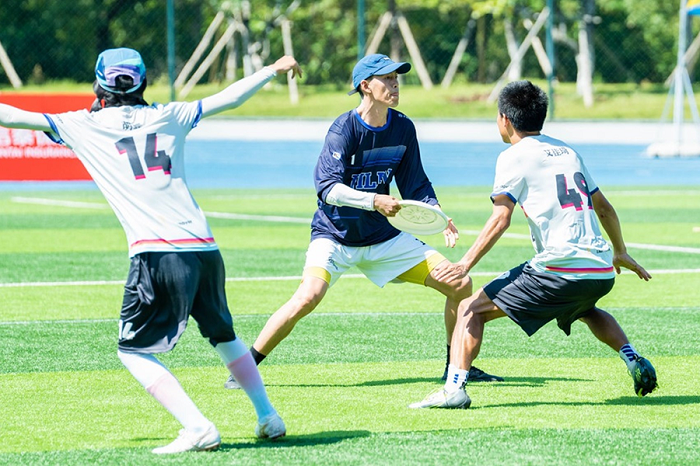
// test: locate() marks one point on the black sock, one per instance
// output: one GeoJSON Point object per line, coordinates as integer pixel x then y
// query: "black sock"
{"type": "Point", "coordinates": [448, 354]}
{"type": "Point", "coordinates": [257, 356]}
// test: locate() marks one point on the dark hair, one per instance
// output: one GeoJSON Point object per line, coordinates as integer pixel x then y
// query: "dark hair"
{"type": "Point", "coordinates": [524, 104]}
{"type": "Point", "coordinates": [105, 98]}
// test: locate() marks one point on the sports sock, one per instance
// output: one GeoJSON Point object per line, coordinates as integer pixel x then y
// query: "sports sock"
{"type": "Point", "coordinates": [448, 354]}
{"type": "Point", "coordinates": [246, 374]}
{"type": "Point", "coordinates": [456, 378]}
{"type": "Point", "coordinates": [229, 351]}
{"type": "Point", "coordinates": [629, 355]}
{"type": "Point", "coordinates": [164, 387]}
{"type": "Point", "coordinates": [257, 356]}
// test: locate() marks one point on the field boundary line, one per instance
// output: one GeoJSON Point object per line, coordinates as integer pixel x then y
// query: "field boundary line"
{"type": "Point", "coordinates": [286, 278]}
{"type": "Point", "coordinates": [99, 205]}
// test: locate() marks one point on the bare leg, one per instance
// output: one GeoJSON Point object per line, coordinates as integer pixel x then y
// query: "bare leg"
{"type": "Point", "coordinates": [474, 312]}
{"type": "Point", "coordinates": [309, 294]}
{"type": "Point", "coordinates": [606, 329]}
{"type": "Point", "coordinates": [455, 291]}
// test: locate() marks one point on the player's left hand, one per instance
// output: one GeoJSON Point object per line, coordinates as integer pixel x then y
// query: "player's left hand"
{"type": "Point", "coordinates": [451, 234]}
{"type": "Point", "coordinates": [626, 261]}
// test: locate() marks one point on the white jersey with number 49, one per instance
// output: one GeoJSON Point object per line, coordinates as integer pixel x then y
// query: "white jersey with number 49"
{"type": "Point", "coordinates": [553, 186]}
{"type": "Point", "coordinates": [136, 155]}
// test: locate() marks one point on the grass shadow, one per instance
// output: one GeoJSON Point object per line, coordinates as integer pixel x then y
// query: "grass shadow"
{"type": "Point", "coordinates": [310, 440]}
{"type": "Point", "coordinates": [509, 382]}
{"type": "Point", "coordinates": [622, 401]}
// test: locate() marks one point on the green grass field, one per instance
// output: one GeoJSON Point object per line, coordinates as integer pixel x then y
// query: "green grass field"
{"type": "Point", "coordinates": [344, 378]}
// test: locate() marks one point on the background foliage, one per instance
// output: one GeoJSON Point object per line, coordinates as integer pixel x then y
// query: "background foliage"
{"type": "Point", "coordinates": [634, 40]}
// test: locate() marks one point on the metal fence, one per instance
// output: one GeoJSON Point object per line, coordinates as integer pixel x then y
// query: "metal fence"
{"type": "Point", "coordinates": [448, 41]}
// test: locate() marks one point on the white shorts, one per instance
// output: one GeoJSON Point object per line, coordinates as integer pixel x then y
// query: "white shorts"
{"type": "Point", "coordinates": [381, 263]}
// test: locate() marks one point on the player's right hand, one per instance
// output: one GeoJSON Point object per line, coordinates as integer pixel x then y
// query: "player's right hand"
{"type": "Point", "coordinates": [386, 205]}
{"type": "Point", "coordinates": [446, 271]}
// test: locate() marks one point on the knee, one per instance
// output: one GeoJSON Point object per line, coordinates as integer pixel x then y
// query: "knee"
{"type": "Point", "coordinates": [461, 289]}
{"type": "Point", "coordinates": [302, 303]}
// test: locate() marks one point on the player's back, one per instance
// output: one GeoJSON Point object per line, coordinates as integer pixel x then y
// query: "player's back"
{"type": "Point", "coordinates": [555, 195]}
{"type": "Point", "coordinates": [136, 157]}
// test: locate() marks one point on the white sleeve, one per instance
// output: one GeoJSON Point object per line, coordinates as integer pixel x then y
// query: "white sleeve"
{"type": "Point", "coordinates": [509, 179]}
{"type": "Point", "coordinates": [343, 195]}
{"type": "Point", "coordinates": [11, 117]}
{"type": "Point", "coordinates": [237, 93]}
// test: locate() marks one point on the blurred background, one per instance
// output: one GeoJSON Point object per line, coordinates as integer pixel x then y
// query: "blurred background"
{"type": "Point", "coordinates": [596, 47]}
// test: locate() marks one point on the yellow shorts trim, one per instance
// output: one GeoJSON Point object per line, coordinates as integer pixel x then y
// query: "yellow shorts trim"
{"type": "Point", "coordinates": [418, 273]}
{"type": "Point", "coordinates": [318, 272]}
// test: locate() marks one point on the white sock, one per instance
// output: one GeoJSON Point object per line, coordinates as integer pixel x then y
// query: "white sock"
{"type": "Point", "coordinates": [629, 355]}
{"type": "Point", "coordinates": [456, 378]}
{"type": "Point", "coordinates": [248, 377]}
{"type": "Point", "coordinates": [229, 351]}
{"type": "Point", "coordinates": [164, 387]}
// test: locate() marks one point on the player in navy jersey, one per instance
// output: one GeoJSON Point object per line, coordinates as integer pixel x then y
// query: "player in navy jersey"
{"type": "Point", "coordinates": [573, 267]}
{"type": "Point", "coordinates": [365, 149]}
{"type": "Point", "coordinates": [135, 154]}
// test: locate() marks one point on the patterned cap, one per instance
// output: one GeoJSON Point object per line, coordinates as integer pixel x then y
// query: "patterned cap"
{"type": "Point", "coordinates": [117, 62]}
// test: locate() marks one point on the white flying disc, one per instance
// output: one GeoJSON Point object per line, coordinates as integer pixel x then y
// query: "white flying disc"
{"type": "Point", "coordinates": [419, 218]}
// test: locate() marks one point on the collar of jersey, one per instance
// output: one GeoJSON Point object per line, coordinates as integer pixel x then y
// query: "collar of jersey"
{"type": "Point", "coordinates": [373, 128]}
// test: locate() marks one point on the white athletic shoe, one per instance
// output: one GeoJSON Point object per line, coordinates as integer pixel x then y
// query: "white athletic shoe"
{"type": "Point", "coordinates": [271, 427]}
{"type": "Point", "coordinates": [443, 399]}
{"type": "Point", "coordinates": [190, 441]}
{"type": "Point", "coordinates": [232, 383]}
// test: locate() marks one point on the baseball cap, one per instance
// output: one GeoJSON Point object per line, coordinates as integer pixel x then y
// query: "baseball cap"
{"type": "Point", "coordinates": [375, 64]}
{"type": "Point", "coordinates": [115, 62]}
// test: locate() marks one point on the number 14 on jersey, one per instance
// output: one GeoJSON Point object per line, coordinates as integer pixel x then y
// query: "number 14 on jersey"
{"type": "Point", "coordinates": [155, 160]}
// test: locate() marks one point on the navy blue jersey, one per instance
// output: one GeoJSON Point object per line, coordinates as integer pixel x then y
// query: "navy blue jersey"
{"type": "Point", "coordinates": [367, 159]}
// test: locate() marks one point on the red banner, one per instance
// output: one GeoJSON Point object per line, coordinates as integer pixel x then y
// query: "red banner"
{"type": "Point", "coordinates": [30, 155]}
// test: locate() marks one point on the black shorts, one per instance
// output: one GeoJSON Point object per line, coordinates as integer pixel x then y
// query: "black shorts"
{"type": "Point", "coordinates": [162, 290]}
{"type": "Point", "coordinates": [533, 298]}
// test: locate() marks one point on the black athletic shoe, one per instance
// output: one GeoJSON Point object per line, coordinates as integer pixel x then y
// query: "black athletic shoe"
{"type": "Point", "coordinates": [644, 377]}
{"type": "Point", "coordinates": [477, 375]}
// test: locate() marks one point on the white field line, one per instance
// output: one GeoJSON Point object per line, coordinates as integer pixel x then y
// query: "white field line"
{"type": "Point", "coordinates": [260, 218]}
{"type": "Point", "coordinates": [288, 278]}
{"type": "Point", "coordinates": [57, 202]}
{"type": "Point", "coordinates": [99, 205]}
{"type": "Point", "coordinates": [306, 221]}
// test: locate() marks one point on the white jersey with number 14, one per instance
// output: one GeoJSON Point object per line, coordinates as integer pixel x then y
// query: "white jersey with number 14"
{"type": "Point", "coordinates": [136, 155]}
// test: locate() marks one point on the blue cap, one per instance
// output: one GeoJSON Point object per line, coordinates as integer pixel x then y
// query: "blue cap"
{"type": "Point", "coordinates": [116, 62]}
{"type": "Point", "coordinates": [373, 65]}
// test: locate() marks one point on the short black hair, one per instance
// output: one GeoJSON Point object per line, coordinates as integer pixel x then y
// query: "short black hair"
{"type": "Point", "coordinates": [524, 104]}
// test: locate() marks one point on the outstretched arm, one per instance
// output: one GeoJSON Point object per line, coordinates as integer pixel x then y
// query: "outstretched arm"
{"type": "Point", "coordinates": [240, 91]}
{"type": "Point", "coordinates": [11, 117]}
{"type": "Point", "coordinates": [611, 224]}
{"type": "Point", "coordinates": [494, 228]}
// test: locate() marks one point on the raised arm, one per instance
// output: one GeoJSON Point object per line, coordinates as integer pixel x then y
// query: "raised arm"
{"type": "Point", "coordinates": [611, 224]}
{"type": "Point", "coordinates": [240, 91]}
{"type": "Point", "coordinates": [11, 117]}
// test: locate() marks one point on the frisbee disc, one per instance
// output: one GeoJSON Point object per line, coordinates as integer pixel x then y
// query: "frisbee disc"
{"type": "Point", "coordinates": [419, 218]}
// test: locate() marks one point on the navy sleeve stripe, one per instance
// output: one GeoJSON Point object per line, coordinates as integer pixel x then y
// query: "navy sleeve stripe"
{"type": "Point", "coordinates": [57, 139]}
{"type": "Point", "coordinates": [510, 196]}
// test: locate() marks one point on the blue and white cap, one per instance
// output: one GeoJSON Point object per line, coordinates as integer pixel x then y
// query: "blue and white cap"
{"type": "Point", "coordinates": [373, 65]}
{"type": "Point", "coordinates": [116, 62]}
